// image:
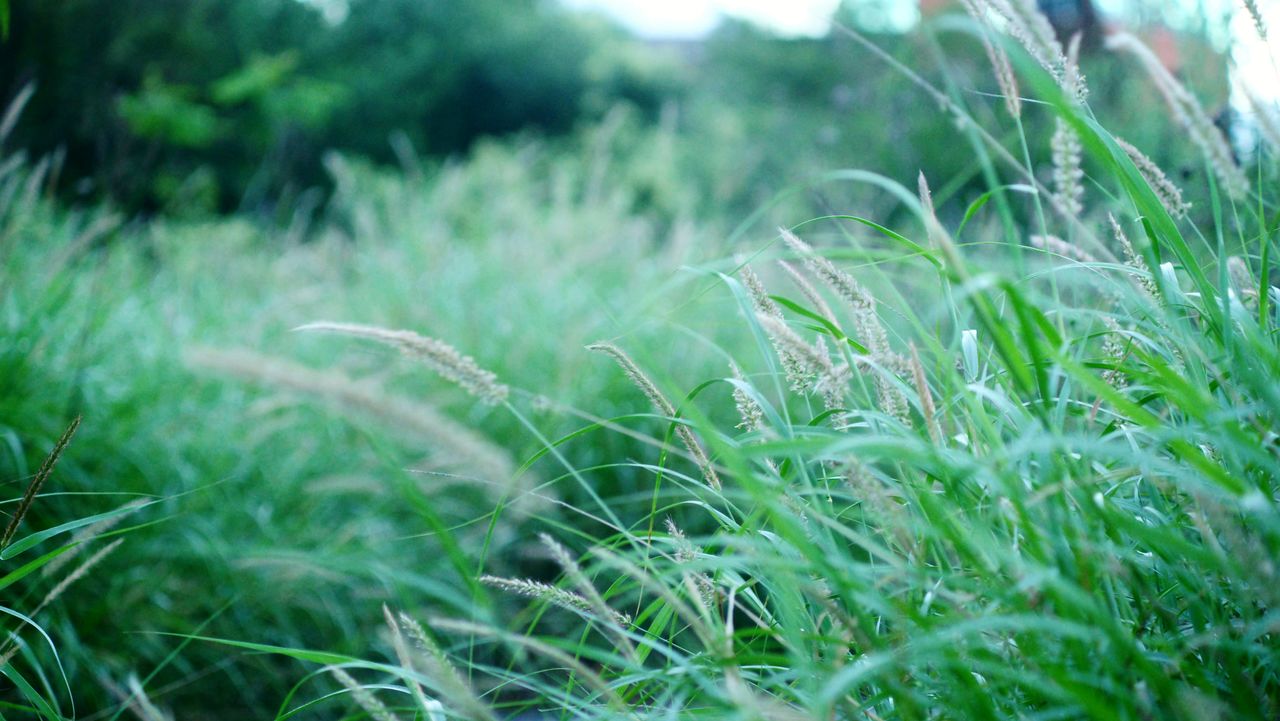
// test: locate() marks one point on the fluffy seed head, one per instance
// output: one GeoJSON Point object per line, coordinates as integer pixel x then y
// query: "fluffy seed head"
{"type": "Point", "coordinates": [435, 354]}
{"type": "Point", "coordinates": [1005, 78]}
{"type": "Point", "coordinates": [1188, 112]}
{"type": "Point", "coordinates": [1054, 244]}
{"type": "Point", "coordinates": [1169, 194]}
{"type": "Point", "coordinates": [927, 408]}
{"type": "Point", "coordinates": [686, 553]}
{"type": "Point", "coordinates": [554, 595]}
{"type": "Point", "coordinates": [1113, 347]}
{"type": "Point", "coordinates": [1146, 283]}
{"type": "Point", "coordinates": [88, 533]}
{"type": "Point", "coordinates": [749, 411]}
{"type": "Point", "coordinates": [810, 293]}
{"type": "Point", "coordinates": [459, 445]}
{"type": "Point", "coordinates": [363, 697]}
{"type": "Point", "coordinates": [859, 300]}
{"type": "Point", "coordinates": [663, 406]}
{"type": "Point", "coordinates": [37, 481]}
{"type": "Point", "coordinates": [792, 366]}
{"type": "Point", "coordinates": [80, 572]}
{"type": "Point", "coordinates": [759, 296]}
{"type": "Point", "coordinates": [1242, 280]}
{"type": "Point", "coordinates": [1067, 172]}
{"type": "Point", "coordinates": [1255, 13]}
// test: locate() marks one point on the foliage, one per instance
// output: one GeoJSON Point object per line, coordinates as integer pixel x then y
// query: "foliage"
{"type": "Point", "coordinates": [969, 455]}
{"type": "Point", "coordinates": [253, 92]}
{"type": "Point", "coordinates": [247, 527]}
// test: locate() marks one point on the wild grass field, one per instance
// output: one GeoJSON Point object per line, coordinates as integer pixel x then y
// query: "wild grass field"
{"type": "Point", "coordinates": [542, 433]}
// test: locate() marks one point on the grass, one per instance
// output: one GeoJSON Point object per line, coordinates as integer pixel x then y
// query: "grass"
{"type": "Point", "coordinates": [954, 473]}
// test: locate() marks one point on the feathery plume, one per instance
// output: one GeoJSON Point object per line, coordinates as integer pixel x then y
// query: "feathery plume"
{"type": "Point", "coordinates": [878, 503]}
{"type": "Point", "coordinates": [866, 325]}
{"type": "Point", "coordinates": [759, 296]}
{"type": "Point", "coordinates": [927, 408]}
{"type": "Point", "coordinates": [37, 482]}
{"type": "Point", "coordinates": [1065, 144]}
{"type": "Point", "coordinates": [926, 196]}
{"type": "Point", "coordinates": [1146, 282]}
{"type": "Point", "coordinates": [1188, 112]}
{"type": "Point", "coordinates": [554, 595]}
{"type": "Point", "coordinates": [435, 354]}
{"type": "Point", "coordinates": [1255, 14]}
{"type": "Point", "coordinates": [1020, 29]}
{"type": "Point", "coordinates": [792, 366]}
{"type": "Point", "coordinates": [363, 697]}
{"type": "Point", "coordinates": [686, 553]}
{"type": "Point", "coordinates": [1242, 281]}
{"type": "Point", "coordinates": [809, 292]}
{"type": "Point", "coordinates": [1169, 194]}
{"type": "Point", "coordinates": [1265, 117]}
{"type": "Point", "coordinates": [663, 406]}
{"type": "Point", "coordinates": [601, 609]}
{"type": "Point", "coordinates": [844, 286]}
{"type": "Point", "coordinates": [80, 572]}
{"type": "Point", "coordinates": [463, 446]}
{"type": "Point", "coordinates": [429, 706]}
{"type": "Point", "coordinates": [567, 660]}
{"type": "Point", "coordinates": [1003, 71]}
{"type": "Point", "coordinates": [1054, 244]}
{"type": "Point", "coordinates": [1113, 347]}
{"type": "Point", "coordinates": [749, 411]}
{"type": "Point", "coordinates": [81, 537]}
{"type": "Point", "coordinates": [841, 283]}
{"type": "Point", "coordinates": [449, 682]}
{"type": "Point", "coordinates": [934, 231]}
{"type": "Point", "coordinates": [14, 111]}
{"type": "Point", "coordinates": [816, 367]}
{"type": "Point", "coordinates": [140, 704]}
{"type": "Point", "coordinates": [1026, 24]}
{"type": "Point", "coordinates": [1067, 170]}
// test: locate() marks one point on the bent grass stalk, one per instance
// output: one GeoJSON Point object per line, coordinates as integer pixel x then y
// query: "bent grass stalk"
{"type": "Point", "coordinates": [435, 354]}
{"type": "Point", "coordinates": [664, 408]}
{"type": "Point", "coordinates": [37, 482]}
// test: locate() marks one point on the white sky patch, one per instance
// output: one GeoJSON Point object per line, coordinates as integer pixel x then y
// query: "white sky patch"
{"type": "Point", "coordinates": [1258, 62]}
{"type": "Point", "coordinates": [696, 18]}
{"type": "Point", "coordinates": [1257, 65]}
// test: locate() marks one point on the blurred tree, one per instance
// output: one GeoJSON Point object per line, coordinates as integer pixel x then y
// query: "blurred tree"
{"type": "Point", "coordinates": [246, 95]}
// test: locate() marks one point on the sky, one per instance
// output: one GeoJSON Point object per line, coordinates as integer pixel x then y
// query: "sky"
{"type": "Point", "coordinates": [1258, 66]}
{"type": "Point", "coordinates": [695, 18]}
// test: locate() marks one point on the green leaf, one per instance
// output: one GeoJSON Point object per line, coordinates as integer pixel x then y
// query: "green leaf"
{"type": "Point", "coordinates": [300, 654]}
{"type": "Point", "coordinates": [17, 575]}
{"type": "Point", "coordinates": [39, 537]}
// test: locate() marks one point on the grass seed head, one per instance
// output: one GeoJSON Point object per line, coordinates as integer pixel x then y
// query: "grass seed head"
{"type": "Point", "coordinates": [1188, 112]}
{"type": "Point", "coordinates": [1058, 246]}
{"type": "Point", "coordinates": [364, 698]}
{"type": "Point", "coordinates": [37, 482]}
{"type": "Point", "coordinates": [1169, 194]}
{"type": "Point", "coordinates": [663, 406]}
{"type": "Point", "coordinates": [435, 354]}
{"type": "Point", "coordinates": [749, 410]}
{"type": "Point", "coordinates": [999, 59]}
{"type": "Point", "coordinates": [1067, 170]}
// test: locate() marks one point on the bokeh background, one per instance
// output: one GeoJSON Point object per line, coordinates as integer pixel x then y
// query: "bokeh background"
{"type": "Point", "coordinates": [182, 183]}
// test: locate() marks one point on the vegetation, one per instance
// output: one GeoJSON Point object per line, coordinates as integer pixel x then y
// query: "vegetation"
{"type": "Point", "coordinates": [559, 430]}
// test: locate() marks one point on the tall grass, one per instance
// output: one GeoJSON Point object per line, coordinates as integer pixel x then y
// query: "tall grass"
{"type": "Point", "coordinates": [975, 475]}
{"type": "Point", "coordinates": [1009, 458]}
{"type": "Point", "coordinates": [300, 485]}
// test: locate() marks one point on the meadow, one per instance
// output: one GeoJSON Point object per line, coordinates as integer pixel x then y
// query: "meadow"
{"type": "Point", "coordinates": [551, 431]}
